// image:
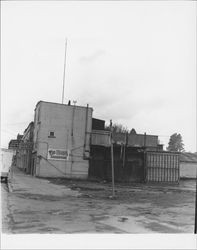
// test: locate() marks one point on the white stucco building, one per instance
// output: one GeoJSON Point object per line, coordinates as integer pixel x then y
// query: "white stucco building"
{"type": "Point", "coordinates": [61, 140]}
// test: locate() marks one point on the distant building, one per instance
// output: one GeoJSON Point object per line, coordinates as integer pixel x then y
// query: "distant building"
{"type": "Point", "coordinates": [188, 165]}
{"type": "Point", "coordinates": [24, 152]}
{"type": "Point", "coordinates": [14, 143]}
{"type": "Point", "coordinates": [28, 133]}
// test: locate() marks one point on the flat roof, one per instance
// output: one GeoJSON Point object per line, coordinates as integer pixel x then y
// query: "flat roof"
{"type": "Point", "coordinates": [188, 157]}
{"type": "Point", "coordinates": [62, 104]}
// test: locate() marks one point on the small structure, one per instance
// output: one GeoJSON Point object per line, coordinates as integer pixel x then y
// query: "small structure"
{"type": "Point", "coordinates": [188, 165]}
{"type": "Point", "coordinates": [6, 159]}
{"type": "Point", "coordinates": [137, 158]}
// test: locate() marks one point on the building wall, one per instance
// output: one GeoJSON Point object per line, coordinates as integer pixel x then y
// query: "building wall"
{"type": "Point", "coordinates": [24, 152]}
{"type": "Point", "coordinates": [14, 144]}
{"type": "Point", "coordinates": [188, 169]}
{"type": "Point", "coordinates": [138, 140]}
{"type": "Point", "coordinates": [100, 138]}
{"type": "Point", "coordinates": [6, 157]}
{"type": "Point", "coordinates": [28, 133]}
{"type": "Point", "coordinates": [98, 124]}
{"type": "Point", "coordinates": [71, 126]}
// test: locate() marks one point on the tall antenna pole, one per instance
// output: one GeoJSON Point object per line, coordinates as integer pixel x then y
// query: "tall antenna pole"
{"type": "Point", "coordinates": [64, 72]}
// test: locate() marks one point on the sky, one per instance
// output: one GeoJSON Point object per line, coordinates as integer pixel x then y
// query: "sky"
{"type": "Point", "coordinates": [133, 62]}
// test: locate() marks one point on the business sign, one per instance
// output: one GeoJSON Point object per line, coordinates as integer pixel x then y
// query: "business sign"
{"type": "Point", "coordinates": [58, 154]}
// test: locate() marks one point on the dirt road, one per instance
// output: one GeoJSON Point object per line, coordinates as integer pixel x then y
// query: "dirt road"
{"type": "Point", "coordinates": [63, 206]}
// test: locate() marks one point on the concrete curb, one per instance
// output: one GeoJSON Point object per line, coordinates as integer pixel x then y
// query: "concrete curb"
{"type": "Point", "coordinates": [9, 183]}
{"type": "Point", "coordinates": [10, 188]}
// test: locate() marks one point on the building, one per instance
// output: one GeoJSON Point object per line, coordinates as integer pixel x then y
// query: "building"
{"type": "Point", "coordinates": [14, 143]}
{"type": "Point", "coordinates": [137, 158]}
{"type": "Point", "coordinates": [61, 140]}
{"type": "Point", "coordinates": [28, 133]}
{"type": "Point", "coordinates": [188, 165]}
{"type": "Point", "coordinates": [64, 141]}
{"type": "Point", "coordinates": [24, 152]}
{"type": "Point", "coordinates": [98, 124]}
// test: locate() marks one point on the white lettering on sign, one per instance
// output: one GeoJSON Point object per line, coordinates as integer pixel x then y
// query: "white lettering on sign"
{"type": "Point", "coordinates": [58, 154]}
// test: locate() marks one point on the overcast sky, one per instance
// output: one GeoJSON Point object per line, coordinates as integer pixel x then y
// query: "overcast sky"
{"type": "Point", "coordinates": [133, 62]}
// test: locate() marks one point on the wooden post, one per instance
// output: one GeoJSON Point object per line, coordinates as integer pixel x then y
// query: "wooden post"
{"type": "Point", "coordinates": [86, 129]}
{"type": "Point", "coordinates": [112, 160]}
{"type": "Point", "coordinates": [124, 150]}
{"type": "Point", "coordinates": [145, 140]}
{"type": "Point", "coordinates": [145, 170]}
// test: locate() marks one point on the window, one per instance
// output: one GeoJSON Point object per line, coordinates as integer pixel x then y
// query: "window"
{"type": "Point", "coordinates": [51, 134]}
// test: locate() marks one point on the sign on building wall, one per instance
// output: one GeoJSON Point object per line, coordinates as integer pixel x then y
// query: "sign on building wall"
{"type": "Point", "coordinates": [58, 154]}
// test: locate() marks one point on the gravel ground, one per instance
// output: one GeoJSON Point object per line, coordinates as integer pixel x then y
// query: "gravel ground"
{"type": "Point", "coordinates": [38, 205]}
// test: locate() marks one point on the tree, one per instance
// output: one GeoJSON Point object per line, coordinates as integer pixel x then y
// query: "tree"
{"type": "Point", "coordinates": [175, 143]}
{"type": "Point", "coordinates": [133, 131]}
{"type": "Point", "coordinates": [117, 128]}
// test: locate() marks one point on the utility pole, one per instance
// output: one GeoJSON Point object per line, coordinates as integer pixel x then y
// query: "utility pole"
{"type": "Point", "coordinates": [112, 159]}
{"type": "Point", "coordinates": [64, 72]}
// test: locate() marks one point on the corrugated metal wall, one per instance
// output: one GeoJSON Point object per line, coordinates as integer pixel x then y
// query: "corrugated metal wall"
{"type": "Point", "coordinates": [162, 167]}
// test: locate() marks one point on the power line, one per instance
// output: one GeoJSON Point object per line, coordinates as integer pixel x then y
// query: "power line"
{"type": "Point", "coordinates": [6, 131]}
{"type": "Point", "coordinates": [16, 123]}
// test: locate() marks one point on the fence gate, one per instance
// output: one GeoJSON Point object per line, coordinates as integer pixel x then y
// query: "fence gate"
{"type": "Point", "coordinates": [162, 167]}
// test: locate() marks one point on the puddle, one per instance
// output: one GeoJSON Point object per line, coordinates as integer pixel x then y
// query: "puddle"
{"type": "Point", "coordinates": [128, 224]}
{"type": "Point", "coordinates": [123, 219]}
{"type": "Point", "coordinates": [99, 217]}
